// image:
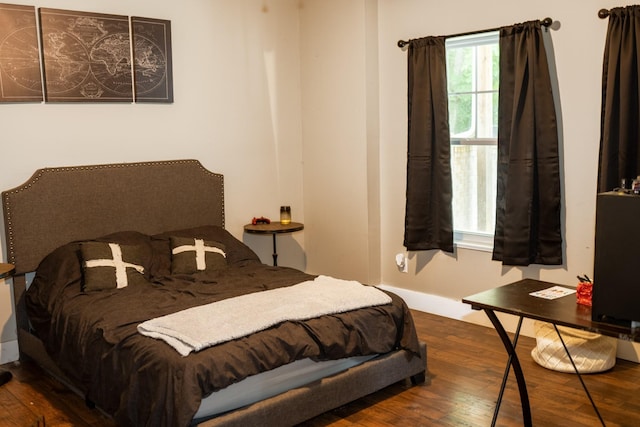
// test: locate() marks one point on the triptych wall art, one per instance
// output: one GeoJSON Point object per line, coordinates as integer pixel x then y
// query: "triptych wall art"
{"type": "Point", "coordinates": [69, 56]}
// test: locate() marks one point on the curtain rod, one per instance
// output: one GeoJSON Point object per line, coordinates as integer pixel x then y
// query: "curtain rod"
{"type": "Point", "coordinates": [603, 13]}
{"type": "Point", "coordinates": [546, 22]}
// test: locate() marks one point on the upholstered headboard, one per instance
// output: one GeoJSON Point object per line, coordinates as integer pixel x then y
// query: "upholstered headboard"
{"type": "Point", "coordinates": [59, 205]}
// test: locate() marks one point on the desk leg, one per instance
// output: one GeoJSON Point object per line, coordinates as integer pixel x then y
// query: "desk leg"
{"type": "Point", "coordinates": [275, 252]}
{"type": "Point", "coordinates": [505, 376]}
{"type": "Point", "coordinates": [575, 368]}
{"type": "Point", "coordinates": [517, 369]}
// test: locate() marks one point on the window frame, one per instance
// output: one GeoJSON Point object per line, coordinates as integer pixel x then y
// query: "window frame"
{"type": "Point", "coordinates": [463, 238]}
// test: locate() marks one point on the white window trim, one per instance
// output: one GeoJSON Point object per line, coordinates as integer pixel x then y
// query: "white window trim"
{"type": "Point", "coordinates": [474, 141]}
{"type": "Point", "coordinates": [476, 39]}
{"type": "Point", "coordinates": [471, 240]}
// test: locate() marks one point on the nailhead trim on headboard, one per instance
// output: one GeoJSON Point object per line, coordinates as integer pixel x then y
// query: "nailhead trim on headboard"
{"type": "Point", "coordinates": [21, 195]}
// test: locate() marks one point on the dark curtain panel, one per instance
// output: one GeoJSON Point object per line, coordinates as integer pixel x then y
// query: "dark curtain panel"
{"type": "Point", "coordinates": [620, 119]}
{"type": "Point", "coordinates": [428, 217]}
{"type": "Point", "coordinates": [528, 192]}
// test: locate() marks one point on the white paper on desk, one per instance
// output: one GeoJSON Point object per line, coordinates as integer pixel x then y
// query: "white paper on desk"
{"type": "Point", "coordinates": [553, 292]}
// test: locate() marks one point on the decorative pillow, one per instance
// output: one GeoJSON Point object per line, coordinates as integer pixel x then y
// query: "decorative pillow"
{"type": "Point", "coordinates": [111, 265]}
{"type": "Point", "coordinates": [190, 255]}
{"type": "Point", "coordinates": [235, 249]}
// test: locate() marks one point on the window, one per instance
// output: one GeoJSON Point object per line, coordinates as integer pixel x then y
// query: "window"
{"type": "Point", "coordinates": [473, 79]}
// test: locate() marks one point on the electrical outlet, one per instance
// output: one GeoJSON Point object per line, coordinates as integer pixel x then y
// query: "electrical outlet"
{"type": "Point", "coordinates": [402, 261]}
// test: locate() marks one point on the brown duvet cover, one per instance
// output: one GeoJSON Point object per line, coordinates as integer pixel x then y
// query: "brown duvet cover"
{"type": "Point", "coordinates": [142, 381]}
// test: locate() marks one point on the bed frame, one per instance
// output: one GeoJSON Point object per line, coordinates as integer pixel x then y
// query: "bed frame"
{"type": "Point", "coordinates": [59, 205]}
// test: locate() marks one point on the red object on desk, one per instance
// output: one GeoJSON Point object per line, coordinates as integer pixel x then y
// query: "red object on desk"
{"type": "Point", "coordinates": [584, 293]}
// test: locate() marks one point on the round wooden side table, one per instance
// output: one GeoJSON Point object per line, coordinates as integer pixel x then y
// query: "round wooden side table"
{"type": "Point", "coordinates": [274, 229]}
{"type": "Point", "coordinates": [6, 270]}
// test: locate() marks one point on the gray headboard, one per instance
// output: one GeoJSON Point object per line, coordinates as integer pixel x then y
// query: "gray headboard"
{"type": "Point", "coordinates": [59, 205]}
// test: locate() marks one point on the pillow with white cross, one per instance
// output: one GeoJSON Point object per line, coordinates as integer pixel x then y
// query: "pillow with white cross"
{"type": "Point", "coordinates": [111, 265]}
{"type": "Point", "coordinates": [190, 255]}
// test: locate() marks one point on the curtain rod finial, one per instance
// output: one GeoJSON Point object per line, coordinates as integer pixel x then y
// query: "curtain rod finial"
{"type": "Point", "coordinates": [402, 43]}
{"type": "Point", "coordinates": [547, 22]}
{"type": "Point", "coordinates": [603, 13]}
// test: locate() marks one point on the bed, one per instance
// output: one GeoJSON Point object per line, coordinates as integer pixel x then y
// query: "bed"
{"type": "Point", "coordinates": [83, 325]}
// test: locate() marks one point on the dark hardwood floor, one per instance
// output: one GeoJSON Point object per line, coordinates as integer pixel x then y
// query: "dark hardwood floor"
{"type": "Point", "coordinates": [465, 366]}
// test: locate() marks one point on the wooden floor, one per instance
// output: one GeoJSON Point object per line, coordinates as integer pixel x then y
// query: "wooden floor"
{"type": "Point", "coordinates": [465, 366]}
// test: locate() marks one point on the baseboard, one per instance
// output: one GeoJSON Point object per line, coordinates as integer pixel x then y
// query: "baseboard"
{"type": "Point", "coordinates": [454, 309]}
{"type": "Point", "coordinates": [9, 351]}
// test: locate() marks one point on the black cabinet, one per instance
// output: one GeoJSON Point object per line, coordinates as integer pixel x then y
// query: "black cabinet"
{"type": "Point", "coordinates": [616, 289]}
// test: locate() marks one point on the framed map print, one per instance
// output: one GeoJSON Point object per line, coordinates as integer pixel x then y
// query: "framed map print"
{"type": "Point", "coordinates": [86, 56]}
{"type": "Point", "coordinates": [20, 78]}
{"type": "Point", "coordinates": [152, 69]}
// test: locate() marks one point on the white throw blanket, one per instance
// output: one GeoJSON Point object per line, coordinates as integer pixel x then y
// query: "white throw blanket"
{"type": "Point", "coordinates": [199, 327]}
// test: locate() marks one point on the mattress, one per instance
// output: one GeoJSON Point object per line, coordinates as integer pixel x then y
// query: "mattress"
{"type": "Point", "coordinates": [271, 383]}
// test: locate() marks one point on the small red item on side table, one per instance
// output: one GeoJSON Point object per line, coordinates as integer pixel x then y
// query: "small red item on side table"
{"type": "Point", "coordinates": [261, 220]}
{"type": "Point", "coordinates": [584, 292]}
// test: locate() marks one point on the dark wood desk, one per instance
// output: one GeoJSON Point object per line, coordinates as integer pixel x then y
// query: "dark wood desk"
{"type": "Point", "coordinates": [515, 299]}
{"type": "Point", "coordinates": [274, 229]}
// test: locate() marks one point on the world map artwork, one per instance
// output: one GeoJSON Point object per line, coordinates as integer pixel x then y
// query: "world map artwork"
{"type": "Point", "coordinates": [20, 78]}
{"type": "Point", "coordinates": [152, 60]}
{"type": "Point", "coordinates": [88, 57]}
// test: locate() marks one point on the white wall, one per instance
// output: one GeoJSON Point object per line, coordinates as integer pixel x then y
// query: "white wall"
{"type": "Point", "coordinates": [336, 99]}
{"type": "Point", "coordinates": [237, 110]}
{"type": "Point", "coordinates": [336, 110]}
{"type": "Point", "coordinates": [578, 43]}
